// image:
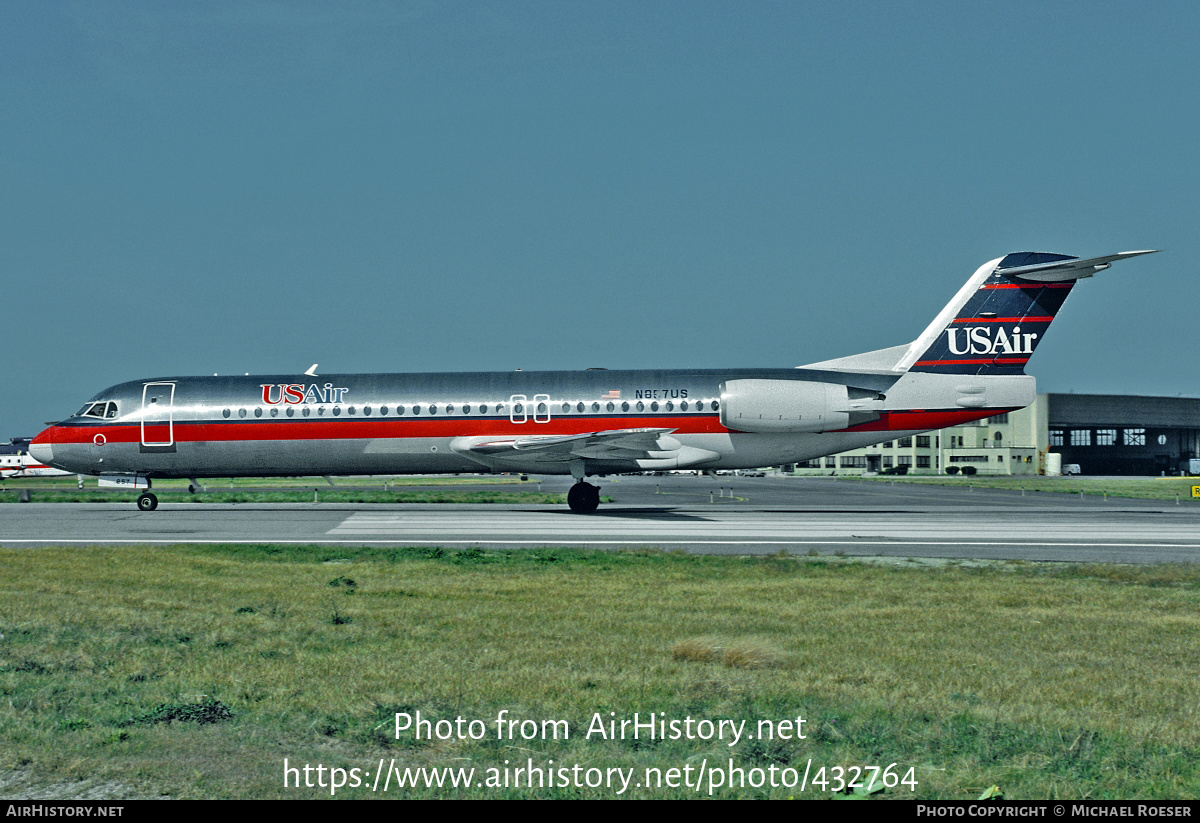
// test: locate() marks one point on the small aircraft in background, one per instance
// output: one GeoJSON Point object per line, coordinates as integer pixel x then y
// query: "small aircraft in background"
{"type": "Point", "coordinates": [15, 461]}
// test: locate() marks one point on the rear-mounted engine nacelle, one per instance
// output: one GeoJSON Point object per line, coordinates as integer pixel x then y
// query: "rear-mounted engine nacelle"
{"type": "Point", "coordinates": [784, 406]}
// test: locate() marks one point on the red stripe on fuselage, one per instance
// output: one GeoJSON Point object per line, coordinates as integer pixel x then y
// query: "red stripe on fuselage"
{"type": "Point", "coordinates": [923, 420]}
{"type": "Point", "coordinates": [283, 430]}
{"type": "Point", "coordinates": [360, 429]}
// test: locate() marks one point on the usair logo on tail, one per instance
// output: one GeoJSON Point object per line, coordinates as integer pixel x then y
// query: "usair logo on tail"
{"type": "Point", "coordinates": [987, 340]}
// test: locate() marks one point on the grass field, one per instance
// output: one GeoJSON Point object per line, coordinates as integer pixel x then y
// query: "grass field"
{"type": "Point", "coordinates": [195, 671]}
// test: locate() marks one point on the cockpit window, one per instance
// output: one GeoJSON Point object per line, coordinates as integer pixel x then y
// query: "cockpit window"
{"type": "Point", "coordinates": [100, 410]}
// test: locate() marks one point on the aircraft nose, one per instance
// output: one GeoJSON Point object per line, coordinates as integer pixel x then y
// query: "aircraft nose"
{"type": "Point", "coordinates": [41, 452]}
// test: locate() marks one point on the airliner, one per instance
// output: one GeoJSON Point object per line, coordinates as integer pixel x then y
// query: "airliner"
{"type": "Point", "coordinates": [18, 463]}
{"type": "Point", "coordinates": [968, 364]}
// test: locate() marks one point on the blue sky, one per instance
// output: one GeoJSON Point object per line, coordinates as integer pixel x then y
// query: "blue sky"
{"type": "Point", "coordinates": [190, 188]}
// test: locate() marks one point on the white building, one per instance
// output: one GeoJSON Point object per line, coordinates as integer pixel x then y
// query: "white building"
{"type": "Point", "coordinates": [1013, 443]}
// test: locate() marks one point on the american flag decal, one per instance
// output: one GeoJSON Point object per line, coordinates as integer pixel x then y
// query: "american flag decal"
{"type": "Point", "coordinates": [611, 394]}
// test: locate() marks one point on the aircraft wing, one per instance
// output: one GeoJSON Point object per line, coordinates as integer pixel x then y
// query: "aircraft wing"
{"type": "Point", "coordinates": [616, 444]}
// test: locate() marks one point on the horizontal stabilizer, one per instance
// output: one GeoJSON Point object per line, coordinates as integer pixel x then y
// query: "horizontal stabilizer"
{"type": "Point", "coordinates": [1058, 270]}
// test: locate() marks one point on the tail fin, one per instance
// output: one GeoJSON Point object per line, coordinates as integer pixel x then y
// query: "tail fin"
{"type": "Point", "coordinates": [995, 322]}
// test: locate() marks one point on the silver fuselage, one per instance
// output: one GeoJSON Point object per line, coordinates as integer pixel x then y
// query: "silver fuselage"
{"type": "Point", "coordinates": [277, 425]}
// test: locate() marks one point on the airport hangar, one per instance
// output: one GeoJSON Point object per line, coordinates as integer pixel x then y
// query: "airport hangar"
{"type": "Point", "coordinates": [1099, 433]}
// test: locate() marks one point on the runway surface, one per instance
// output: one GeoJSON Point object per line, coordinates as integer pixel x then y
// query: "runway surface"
{"type": "Point", "coordinates": [746, 516]}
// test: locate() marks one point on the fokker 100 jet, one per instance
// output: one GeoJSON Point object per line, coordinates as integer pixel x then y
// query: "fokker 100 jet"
{"type": "Point", "coordinates": [967, 365]}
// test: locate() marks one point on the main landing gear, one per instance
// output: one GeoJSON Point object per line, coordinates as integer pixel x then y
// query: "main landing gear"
{"type": "Point", "coordinates": [583, 498]}
{"type": "Point", "coordinates": [147, 502]}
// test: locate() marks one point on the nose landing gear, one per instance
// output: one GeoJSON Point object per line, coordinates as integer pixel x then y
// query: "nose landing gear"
{"type": "Point", "coordinates": [147, 502]}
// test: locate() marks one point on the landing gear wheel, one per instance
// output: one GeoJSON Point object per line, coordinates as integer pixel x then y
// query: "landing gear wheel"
{"type": "Point", "coordinates": [583, 498]}
{"type": "Point", "coordinates": [147, 502]}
